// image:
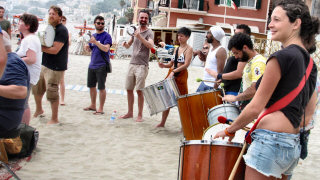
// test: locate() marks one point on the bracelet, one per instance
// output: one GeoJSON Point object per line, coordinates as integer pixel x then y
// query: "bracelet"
{"type": "Point", "coordinates": [219, 76]}
{"type": "Point", "coordinates": [228, 134]}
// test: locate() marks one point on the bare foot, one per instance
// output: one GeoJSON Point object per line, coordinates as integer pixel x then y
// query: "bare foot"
{"type": "Point", "coordinates": [139, 119]}
{"type": "Point", "coordinates": [126, 116]}
{"type": "Point", "coordinates": [37, 113]}
{"type": "Point", "coordinates": [52, 122]}
{"type": "Point", "coordinates": [160, 125]}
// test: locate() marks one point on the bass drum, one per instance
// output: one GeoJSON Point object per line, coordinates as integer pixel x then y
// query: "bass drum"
{"type": "Point", "coordinates": [46, 35]}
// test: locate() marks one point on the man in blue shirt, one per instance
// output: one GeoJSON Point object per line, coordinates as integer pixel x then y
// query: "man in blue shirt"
{"type": "Point", "coordinates": [99, 44]}
{"type": "Point", "coordinates": [14, 84]}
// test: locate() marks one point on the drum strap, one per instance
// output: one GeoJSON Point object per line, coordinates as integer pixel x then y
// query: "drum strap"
{"type": "Point", "coordinates": [283, 102]}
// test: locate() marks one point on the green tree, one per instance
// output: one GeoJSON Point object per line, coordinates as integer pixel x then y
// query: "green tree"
{"type": "Point", "coordinates": [129, 15]}
{"type": "Point", "coordinates": [123, 20]}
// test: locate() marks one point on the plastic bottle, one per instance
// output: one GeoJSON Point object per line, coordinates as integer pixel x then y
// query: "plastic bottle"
{"type": "Point", "coordinates": [113, 116]}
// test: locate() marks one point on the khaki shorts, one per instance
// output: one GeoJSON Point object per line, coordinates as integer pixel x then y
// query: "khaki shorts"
{"type": "Point", "coordinates": [136, 76]}
{"type": "Point", "coordinates": [48, 82]}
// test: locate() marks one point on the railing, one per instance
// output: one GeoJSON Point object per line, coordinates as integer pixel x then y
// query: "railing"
{"type": "Point", "coordinates": [164, 3]}
{"type": "Point", "coordinates": [266, 47]}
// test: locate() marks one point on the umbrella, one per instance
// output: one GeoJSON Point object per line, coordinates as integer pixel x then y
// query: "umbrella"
{"type": "Point", "coordinates": [19, 15]}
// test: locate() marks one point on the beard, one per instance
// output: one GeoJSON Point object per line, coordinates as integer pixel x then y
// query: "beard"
{"type": "Point", "coordinates": [53, 22]}
{"type": "Point", "coordinates": [99, 28]}
{"type": "Point", "coordinates": [245, 56]}
{"type": "Point", "coordinates": [143, 23]}
{"type": "Point", "coordinates": [210, 40]}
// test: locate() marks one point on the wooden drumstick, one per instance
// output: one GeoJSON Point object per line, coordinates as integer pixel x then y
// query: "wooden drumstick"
{"type": "Point", "coordinates": [236, 165]}
{"type": "Point", "coordinates": [199, 80]}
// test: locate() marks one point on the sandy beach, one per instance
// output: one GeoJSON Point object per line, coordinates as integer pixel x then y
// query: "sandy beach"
{"type": "Point", "coordinates": [87, 146]}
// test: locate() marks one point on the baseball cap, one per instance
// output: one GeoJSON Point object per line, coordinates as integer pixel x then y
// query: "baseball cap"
{"type": "Point", "coordinates": [217, 32]}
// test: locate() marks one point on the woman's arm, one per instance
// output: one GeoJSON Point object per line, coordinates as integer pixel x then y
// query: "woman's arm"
{"type": "Point", "coordinates": [187, 60]}
{"type": "Point", "coordinates": [310, 108]}
{"type": "Point", "coordinates": [31, 57]}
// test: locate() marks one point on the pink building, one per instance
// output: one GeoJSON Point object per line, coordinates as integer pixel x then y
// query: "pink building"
{"type": "Point", "coordinates": [254, 13]}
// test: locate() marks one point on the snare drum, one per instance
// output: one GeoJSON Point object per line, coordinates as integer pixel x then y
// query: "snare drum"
{"type": "Point", "coordinates": [230, 111]}
{"type": "Point", "coordinates": [214, 160]}
{"type": "Point", "coordinates": [211, 131]}
{"type": "Point", "coordinates": [46, 35]}
{"type": "Point", "coordinates": [161, 96]}
{"type": "Point", "coordinates": [193, 109]}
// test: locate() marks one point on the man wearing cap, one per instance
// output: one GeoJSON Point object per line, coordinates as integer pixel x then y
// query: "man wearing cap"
{"type": "Point", "coordinates": [215, 59]}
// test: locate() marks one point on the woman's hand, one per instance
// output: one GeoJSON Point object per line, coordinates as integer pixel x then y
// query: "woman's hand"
{"type": "Point", "coordinates": [160, 64]}
{"type": "Point", "coordinates": [171, 74]}
{"type": "Point", "coordinates": [229, 98]}
{"type": "Point", "coordinates": [222, 134]}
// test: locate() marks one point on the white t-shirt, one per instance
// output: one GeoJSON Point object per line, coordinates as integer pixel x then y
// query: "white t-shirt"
{"type": "Point", "coordinates": [32, 42]}
{"type": "Point", "coordinates": [211, 63]}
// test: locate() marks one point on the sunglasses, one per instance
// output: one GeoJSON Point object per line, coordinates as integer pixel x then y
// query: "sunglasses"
{"type": "Point", "coordinates": [63, 20]}
{"type": "Point", "coordinates": [205, 47]}
{"type": "Point", "coordinates": [100, 23]}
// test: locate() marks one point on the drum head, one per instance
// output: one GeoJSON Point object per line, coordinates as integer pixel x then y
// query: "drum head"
{"type": "Point", "coordinates": [49, 36]}
{"type": "Point", "coordinates": [131, 30]}
{"type": "Point", "coordinates": [211, 131]}
{"type": "Point", "coordinates": [230, 111]}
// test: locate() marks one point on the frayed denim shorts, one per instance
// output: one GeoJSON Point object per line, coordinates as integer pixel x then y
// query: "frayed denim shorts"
{"type": "Point", "coordinates": [272, 153]}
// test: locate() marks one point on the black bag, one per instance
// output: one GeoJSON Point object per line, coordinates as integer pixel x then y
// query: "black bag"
{"type": "Point", "coordinates": [109, 66]}
{"type": "Point", "coordinates": [29, 137]}
{"type": "Point", "coordinates": [304, 138]}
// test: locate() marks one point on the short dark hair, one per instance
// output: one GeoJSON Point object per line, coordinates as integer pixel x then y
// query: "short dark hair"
{"type": "Point", "coordinates": [246, 28]}
{"type": "Point", "coordinates": [145, 11]}
{"type": "Point", "coordinates": [239, 40]}
{"type": "Point", "coordinates": [30, 20]}
{"type": "Point", "coordinates": [63, 17]}
{"type": "Point", "coordinates": [57, 10]}
{"type": "Point", "coordinates": [98, 18]}
{"type": "Point", "coordinates": [185, 31]}
{"type": "Point", "coordinates": [1, 7]}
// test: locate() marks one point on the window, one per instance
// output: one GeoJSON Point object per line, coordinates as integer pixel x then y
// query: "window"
{"type": "Point", "coordinates": [223, 2]}
{"type": "Point", "coordinates": [191, 4]}
{"type": "Point", "coordinates": [248, 3]}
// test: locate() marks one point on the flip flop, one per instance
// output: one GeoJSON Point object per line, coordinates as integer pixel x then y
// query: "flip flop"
{"type": "Point", "coordinates": [98, 113]}
{"type": "Point", "coordinates": [89, 109]}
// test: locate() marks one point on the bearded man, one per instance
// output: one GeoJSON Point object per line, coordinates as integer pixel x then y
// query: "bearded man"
{"type": "Point", "coordinates": [99, 44]}
{"type": "Point", "coordinates": [142, 41]}
{"type": "Point", "coordinates": [54, 63]}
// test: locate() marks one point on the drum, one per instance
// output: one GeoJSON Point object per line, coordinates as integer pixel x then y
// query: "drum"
{"type": "Point", "coordinates": [46, 35]}
{"type": "Point", "coordinates": [193, 109]}
{"type": "Point", "coordinates": [161, 96]}
{"type": "Point", "coordinates": [203, 160]}
{"type": "Point", "coordinates": [131, 30]}
{"type": "Point", "coordinates": [211, 131]}
{"type": "Point", "coordinates": [230, 111]}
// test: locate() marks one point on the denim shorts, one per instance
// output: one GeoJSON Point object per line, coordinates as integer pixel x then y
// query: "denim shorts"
{"type": "Point", "coordinates": [272, 153]}
{"type": "Point", "coordinates": [203, 87]}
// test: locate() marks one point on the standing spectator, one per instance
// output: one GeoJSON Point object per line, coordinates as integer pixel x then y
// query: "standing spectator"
{"type": "Point", "coordinates": [30, 53]}
{"type": "Point", "coordinates": [215, 59]}
{"type": "Point", "coordinates": [99, 44]}
{"type": "Point", "coordinates": [62, 84]}
{"type": "Point", "coordinates": [54, 62]}
{"type": "Point", "coordinates": [5, 24]}
{"type": "Point", "coordinates": [142, 41]}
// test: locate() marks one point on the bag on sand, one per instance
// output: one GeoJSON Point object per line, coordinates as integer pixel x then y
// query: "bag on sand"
{"type": "Point", "coordinates": [28, 141]}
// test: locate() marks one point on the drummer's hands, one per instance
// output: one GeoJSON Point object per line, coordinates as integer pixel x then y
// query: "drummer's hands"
{"type": "Point", "coordinates": [222, 134]}
{"type": "Point", "coordinates": [161, 65]}
{"type": "Point", "coordinates": [229, 98]}
{"type": "Point", "coordinates": [137, 34]}
{"type": "Point", "coordinates": [171, 75]}
{"type": "Point", "coordinates": [212, 72]}
{"type": "Point", "coordinates": [162, 44]}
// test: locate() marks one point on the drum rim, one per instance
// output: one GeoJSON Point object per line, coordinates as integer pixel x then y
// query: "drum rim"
{"type": "Point", "coordinates": [219, 106]}
{"type": "Point", "coordinates": [197, 93]}
{"type": "Point", "coordinates": [212, 142]}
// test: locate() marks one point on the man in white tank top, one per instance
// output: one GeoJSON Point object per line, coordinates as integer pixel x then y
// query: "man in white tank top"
{"type": "Point", "coordinates": [215, 59]}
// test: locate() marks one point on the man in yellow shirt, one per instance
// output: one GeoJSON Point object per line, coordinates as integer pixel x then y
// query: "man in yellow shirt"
{"type": "Point", "coordinates": [242, 47]}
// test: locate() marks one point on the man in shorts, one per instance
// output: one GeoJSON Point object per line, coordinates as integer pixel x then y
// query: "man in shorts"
{"type": "Point", "coordinates": [142, 41]}
{"type": "Point", "coordinates": [54, 63]}
{"type": "Point", "coordinates": [99, 44]}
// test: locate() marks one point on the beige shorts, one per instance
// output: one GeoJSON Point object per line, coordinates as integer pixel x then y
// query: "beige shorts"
{"type": "Point", "coordinates": [48, 82]}
{"type": "Point", "coordinates": [136, 76]}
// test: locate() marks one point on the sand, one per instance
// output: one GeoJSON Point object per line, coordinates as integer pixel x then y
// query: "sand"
{"type": "Point", "coordinates": [87, 146]}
